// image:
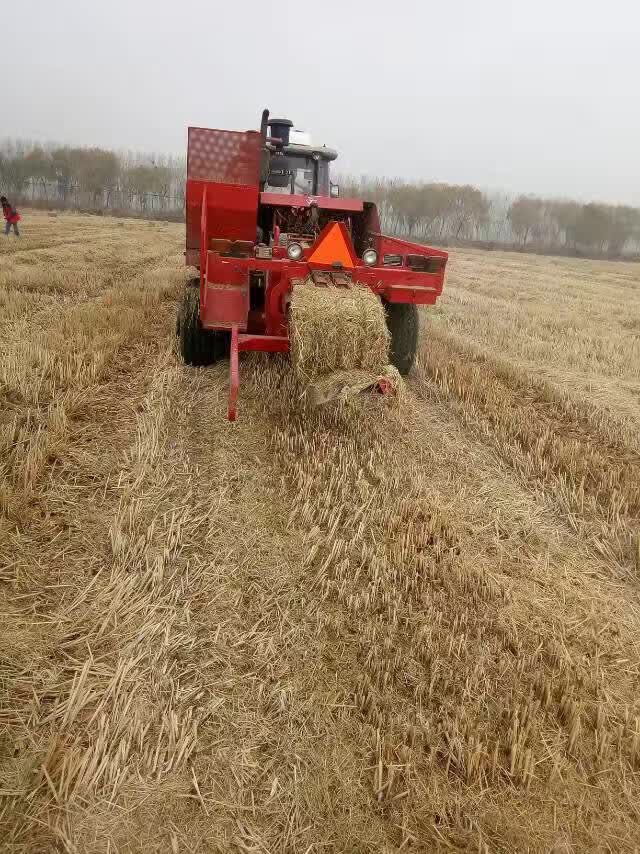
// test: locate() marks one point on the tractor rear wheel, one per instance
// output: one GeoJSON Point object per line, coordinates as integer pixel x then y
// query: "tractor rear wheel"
{"type": "Point", "coordinates": [402, 323]}
{"type": "Point", "coordinates": [197, 346]}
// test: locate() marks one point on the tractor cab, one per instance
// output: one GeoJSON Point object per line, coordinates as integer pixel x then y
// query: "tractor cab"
{"type": "Point", "coordinates": [293, 165]}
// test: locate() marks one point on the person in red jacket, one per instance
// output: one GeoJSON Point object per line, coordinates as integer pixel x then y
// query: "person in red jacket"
{"type": "Point", "coordinates": [11, 216]}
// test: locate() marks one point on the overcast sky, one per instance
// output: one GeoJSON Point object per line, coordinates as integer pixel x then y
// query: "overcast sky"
{"type": "Point", "coordinates": [538, 97]}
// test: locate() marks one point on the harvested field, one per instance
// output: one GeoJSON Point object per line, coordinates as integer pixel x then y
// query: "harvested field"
{"type": "Point", "coordinates": [357, 628]}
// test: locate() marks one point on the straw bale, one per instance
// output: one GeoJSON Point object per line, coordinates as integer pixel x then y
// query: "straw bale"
{"type": "Point", "coordinates": [337, 329]}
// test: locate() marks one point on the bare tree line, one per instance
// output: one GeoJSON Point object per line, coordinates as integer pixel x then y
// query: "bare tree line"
{"type": "Point", "coordinates": [154, 185]}
{"type": "Point", "coordinates": [92, 178]}
{"type": "Point", "coordinates": [601, 229]}
{"type": "Point", "coordinates": [447, 213]}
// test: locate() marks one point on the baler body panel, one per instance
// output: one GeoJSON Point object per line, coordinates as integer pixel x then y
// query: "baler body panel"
{"type": "Point", "coordinates": [224, 156]}
{"type": "Point", "coordinates": [231, 211]}
{"type": "Point", "coordinates": [227, 164]}
{"type": "Point", "coordinates": [393, 284]}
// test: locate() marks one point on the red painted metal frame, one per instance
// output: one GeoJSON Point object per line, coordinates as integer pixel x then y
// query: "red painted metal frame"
{"type": "Point", "coordinates": [203, 249]}
{"type": "Point", "coordinates": [325, 203]}
{"type": "Point", "coordinates": [262, 343]}
{"type": "Point", "coordinates": [394, 245]}
{"type": "Point", "coordinates": [395, 284]}
{"type": "Point", "coordinates": [223, 168]}
{"type": "Point", "coordinates": [234, 376]}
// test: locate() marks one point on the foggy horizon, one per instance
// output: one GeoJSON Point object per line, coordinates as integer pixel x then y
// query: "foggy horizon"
{"type": "Point", "coordinates": [485, 95]}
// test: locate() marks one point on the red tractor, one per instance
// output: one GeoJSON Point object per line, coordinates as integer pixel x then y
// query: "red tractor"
{"type": "Point", "coordinates": [262, 214]}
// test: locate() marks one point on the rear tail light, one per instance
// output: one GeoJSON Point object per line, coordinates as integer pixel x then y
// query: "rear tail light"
{"type": "Point", "coordinates": [231, 248]}
{"type": "Point", "coordinates": [392, 260]}
{"type": "Point", "coordinates": [425, 263]}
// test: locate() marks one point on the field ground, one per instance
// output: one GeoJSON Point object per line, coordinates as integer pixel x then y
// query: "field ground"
{"type": "Point", "coordinates": [369, 629]}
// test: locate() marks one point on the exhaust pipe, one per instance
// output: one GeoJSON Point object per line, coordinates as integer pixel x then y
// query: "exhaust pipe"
{"type": "Point", "coordinates": [263, 124]}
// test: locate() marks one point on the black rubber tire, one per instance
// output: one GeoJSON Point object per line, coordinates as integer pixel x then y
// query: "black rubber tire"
{"type": "Point", "coordinates": [197, 346]}
{"type": "Point", "coordinates": [403, 324]}
{"type": "Point", "coordinates": [192, 283]}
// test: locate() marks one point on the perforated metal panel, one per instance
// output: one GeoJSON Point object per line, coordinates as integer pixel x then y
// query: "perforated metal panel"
{"type": "Point", "coordinates": [224, 156]}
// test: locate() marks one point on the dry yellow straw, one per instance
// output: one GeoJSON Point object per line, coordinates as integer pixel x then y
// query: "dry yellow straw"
{"type": "Point", "coordinates": [337, 329]}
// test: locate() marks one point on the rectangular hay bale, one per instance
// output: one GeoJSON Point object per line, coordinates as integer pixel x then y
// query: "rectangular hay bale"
{"type": "Point", "coordinates": [336, 329]}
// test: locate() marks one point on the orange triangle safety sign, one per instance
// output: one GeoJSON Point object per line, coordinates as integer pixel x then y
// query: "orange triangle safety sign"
{"type": "Point", "coordinates": [333, 246]}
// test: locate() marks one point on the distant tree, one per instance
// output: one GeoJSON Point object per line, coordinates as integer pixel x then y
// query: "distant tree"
{"type": "Point", "coordinates": [97, 173]}
{"type": "Point", "coordinates": [592, 227]}
{"type": "Point", "coordinates": [469, 207]}
{"type": "Point", "coordinates": [434, 201]}
{"type": "Point", "coordinates": [565, 215]}
{"type": "Point", "coordinates": [162, 182]}
{"type": "Point", "coordinates": [65, 165]}
{"type": "Point", "coordinates": [15, 173]}
{"type": "Point", "coordinates": [526, 216]}
{"type": "Point", "coordinates": [409, 205]}
{"type": "Point", "coordinates": [141, 182]}
{"type": "Point", "coordinates": [624, 223]}
{"type": "Point", "coordinates": [40, 166]}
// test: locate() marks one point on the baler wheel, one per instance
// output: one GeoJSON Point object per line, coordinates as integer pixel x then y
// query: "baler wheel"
{"type": "Point", "coordinates": [198, 346]}
{"type": "Point", "coordinates": [192, 283]}
{"type": "Point", "coordinates": [402, 323]}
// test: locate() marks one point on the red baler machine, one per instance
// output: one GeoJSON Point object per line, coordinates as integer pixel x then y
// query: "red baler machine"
{"type": "Point", "coordinates": [262, 215]}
